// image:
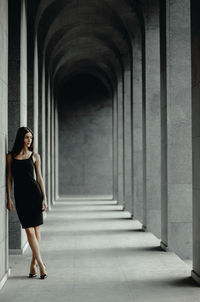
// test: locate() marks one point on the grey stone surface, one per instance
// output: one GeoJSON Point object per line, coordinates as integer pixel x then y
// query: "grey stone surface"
{"type": "Point", "coordinates": [195, 49]}
{"type": "Point", "coordinates": [3, 138]}
{"type": "Point", "coordinates": [23, 65]}
{"type": "Point", "coordinates": [35, 94]}
{"type": "Point", "coordinates": [48, 144]}
{"type": "Point", "coordinates": [94, 252]}
{"type": "Point", "coordinates": [115, 147]}
{"type": "Point", "coordinates": [17, 98]}
{"type": "Point", "coordinates": [179, 149]}
{"type": "Point", "coordinates": [85, 140]}
{"type": "Point", "coordinates": [120, 141]}
{"type": "Point", "coordinates": [136, 145]}
{"type": "Point", "coordinates": [153, 117]}
{"type": "Point", "coordinates": [128, 143]}
{"type": "Point", "coordinates": [138, 128]}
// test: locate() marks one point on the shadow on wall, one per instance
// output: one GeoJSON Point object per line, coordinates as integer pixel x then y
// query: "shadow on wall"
{"type": "Point", "coordinates": [85, 137]}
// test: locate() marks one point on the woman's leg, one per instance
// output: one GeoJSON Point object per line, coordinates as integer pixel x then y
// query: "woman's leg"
{"type": "Point", "coordinates": [35, 247]}
{"type": "Point", "coordinates": [33, 261]}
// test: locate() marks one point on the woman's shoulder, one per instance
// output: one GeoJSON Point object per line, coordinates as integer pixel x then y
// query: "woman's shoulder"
{"type": "Point", "coordinates": [36, 155]}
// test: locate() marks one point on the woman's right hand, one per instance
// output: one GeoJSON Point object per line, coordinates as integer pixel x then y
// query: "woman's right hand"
{"type": "Point", "coordinates": [10, 205]}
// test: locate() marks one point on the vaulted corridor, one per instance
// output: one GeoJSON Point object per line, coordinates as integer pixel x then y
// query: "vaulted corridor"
{"type": "Point", "coordinates": [111, 90]}
{"type": "Point", "coordinates": [95, 252]}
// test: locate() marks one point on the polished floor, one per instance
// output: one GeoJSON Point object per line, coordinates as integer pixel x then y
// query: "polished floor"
{"type": "Point", "coordinates": [94, 252]}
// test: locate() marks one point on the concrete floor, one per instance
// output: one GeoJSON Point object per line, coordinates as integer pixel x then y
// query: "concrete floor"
{"type": "Point", "coordinates": [94, 252]}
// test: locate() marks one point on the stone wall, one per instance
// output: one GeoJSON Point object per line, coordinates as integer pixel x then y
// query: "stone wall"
{"type": "Point", "coordinates": [85, 138]}
{"type": "Point", "coordinates": [195, 8]}
{"type": "Point", "coordinates": [3, 139]}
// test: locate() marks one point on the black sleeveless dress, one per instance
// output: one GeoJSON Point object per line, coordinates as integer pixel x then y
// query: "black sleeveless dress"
{"type": "Point", "coordinates": [27, 192]}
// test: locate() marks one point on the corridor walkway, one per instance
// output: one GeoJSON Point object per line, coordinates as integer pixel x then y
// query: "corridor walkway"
{"type": "Point", "coordinates": [94, 252]}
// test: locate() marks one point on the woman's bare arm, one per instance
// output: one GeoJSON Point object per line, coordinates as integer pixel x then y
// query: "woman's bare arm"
{"type": "Point", "coordinates": [40, 179]}
{"type": "Point", "coordinates": [10, 204]}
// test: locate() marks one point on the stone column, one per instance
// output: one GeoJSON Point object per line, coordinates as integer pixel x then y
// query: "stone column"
{"type": "Point", "coordinates": [17, 96]}
{"type": "Point", "coordinates": [48, 143]}
{"type": "Point", "coordinates": [52, 149]}
{"type": "Point", "coordinates": [35, 96]}
{"type": "Point", "coordinates": [115, 147]}
{"type": "Point", "coordinates": [128, 142]}
{"type": "Point", "coordinates": [56, 153]}
{"type": "Point", "coordinates": [120, 141]}
{"type": "Point", "coordinates": [153, 117]}
{"type": "Point", "coordinates": [163, 98]}
{"type": "Point", "coordinates": [179, 147]}
{"type": "Point", "coordinates": [138, 147]}
{"type": "Point", "coordinates": [23, 66]}
{"type": "Point", "coordinates": [4, 271]}
{"type": "Point", "coordinates": [43, 123]}
{"type": "Point", "coordinates": [196, 136]}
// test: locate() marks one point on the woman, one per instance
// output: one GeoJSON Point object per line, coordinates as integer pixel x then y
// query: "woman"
{"type": "Point", "coordinates": [30, 197]}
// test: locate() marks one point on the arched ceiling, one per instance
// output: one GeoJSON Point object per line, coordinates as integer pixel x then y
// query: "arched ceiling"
{"type": "Point", "coordinates": [91, 36]}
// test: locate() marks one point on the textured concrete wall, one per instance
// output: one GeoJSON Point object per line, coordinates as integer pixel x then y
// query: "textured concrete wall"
{"type": "Point", "coordinates": [128, 150]}
{"type": "Point", "coordinates": [23, 65]}
{"type": "Point", "coordinates": [43, 123]}
{"type": "Point", "coordinates": [163, 97]}
{"type": "Point", "coordinates": [153, 117]}
{"type": "Point", "coordinates": [195, 9]}
{"type": "Point", "coordinates": [53, 149]}
{"type": "Point", "coordinates": [35, 95]}
{"type": "Point", "coordinates": [179, 132]}
{"type": "Point", "coordinates": [17, 105]}
{"type": "Point", "coordinates": [85, 138]}
{"type": "Point", "coordinates": [138, 147]}
{"type": "Point", "coordinates": [120, 141]}
{"type": "Point", "coordinates": [48, 143]}
{"type": "Point", "coordinates": [3, 139]}
{"type": "Point", "coordinates": [115, 148]}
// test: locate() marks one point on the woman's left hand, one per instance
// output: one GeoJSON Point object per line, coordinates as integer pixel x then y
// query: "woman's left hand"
{"type": "Point", "coordinates": [44, 205]}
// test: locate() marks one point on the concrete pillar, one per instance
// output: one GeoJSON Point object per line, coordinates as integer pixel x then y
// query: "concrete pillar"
{"type": "Point", "coordinates": [43, 123]}
{"type": "Point", "coordinates": [48, 143]}
{"type": "Point", "coordinates": [138, 147]}
{"type": "Point", "coordinates": [115, 148]}
{"type": "Point", "coordinates": [195, 8]}
{"type": "Point", "coordinates": [56, 153]}
{"type": "Point", "coordinates": [17, 95]}
{"type": "Point", "coordinates": [128, 194]}
{"type": "Point", "coordinates": [30, 69]}
{"type": "Point", "coordinates": [153, 117]}
{"type": "Point", "coordinates": [4, 271]}
{"type": "Point", "coordinates": [163, 98]}
{"type": "Point", "coordinates": [35, 96]}
{"type": "Point", "coordinates": [23, 65]}
{"type": "Point", "coordinates": [120, 140]}
{"type": "Point", "coordinates": [179, 147]}
{"type": "Point", "coordinates": [52, 148]}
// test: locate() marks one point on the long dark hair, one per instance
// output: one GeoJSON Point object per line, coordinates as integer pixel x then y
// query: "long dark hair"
{"type": "Point", "coordinates": [19, 140]}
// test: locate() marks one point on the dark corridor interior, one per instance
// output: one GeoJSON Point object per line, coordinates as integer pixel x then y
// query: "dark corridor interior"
{"type": "Point", "coordinates": [85, 137]}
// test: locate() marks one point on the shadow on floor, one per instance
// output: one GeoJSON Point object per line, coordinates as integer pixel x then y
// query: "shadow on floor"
{"type": "Point", "coordinates": [184, 282]}
{"type": "Point", "coordinates": [83, 232]}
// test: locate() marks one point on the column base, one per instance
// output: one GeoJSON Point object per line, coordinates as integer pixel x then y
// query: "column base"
{"type": "Point", "coordinates": [163, 246]}
{"type": "Point", "coordinates": [4, 279]}
{"type": "Point", "coordinates": [18, 251]}
{"type": "Point", "coordinates": [195, 277]}
{"type": "Point", "coordinates": [144, 228]}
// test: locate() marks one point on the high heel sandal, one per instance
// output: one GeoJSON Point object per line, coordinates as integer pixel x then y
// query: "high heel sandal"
{"type": "Point", "coordinates": [44, 276]}
{"type": "Point", "coordinates": [32, 275]}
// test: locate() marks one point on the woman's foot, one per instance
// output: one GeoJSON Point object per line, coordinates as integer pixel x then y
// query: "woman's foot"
{"type": "Point", "coordinates": [33, 271]}
{"type": "Point", "coordinates": [43, 273]}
